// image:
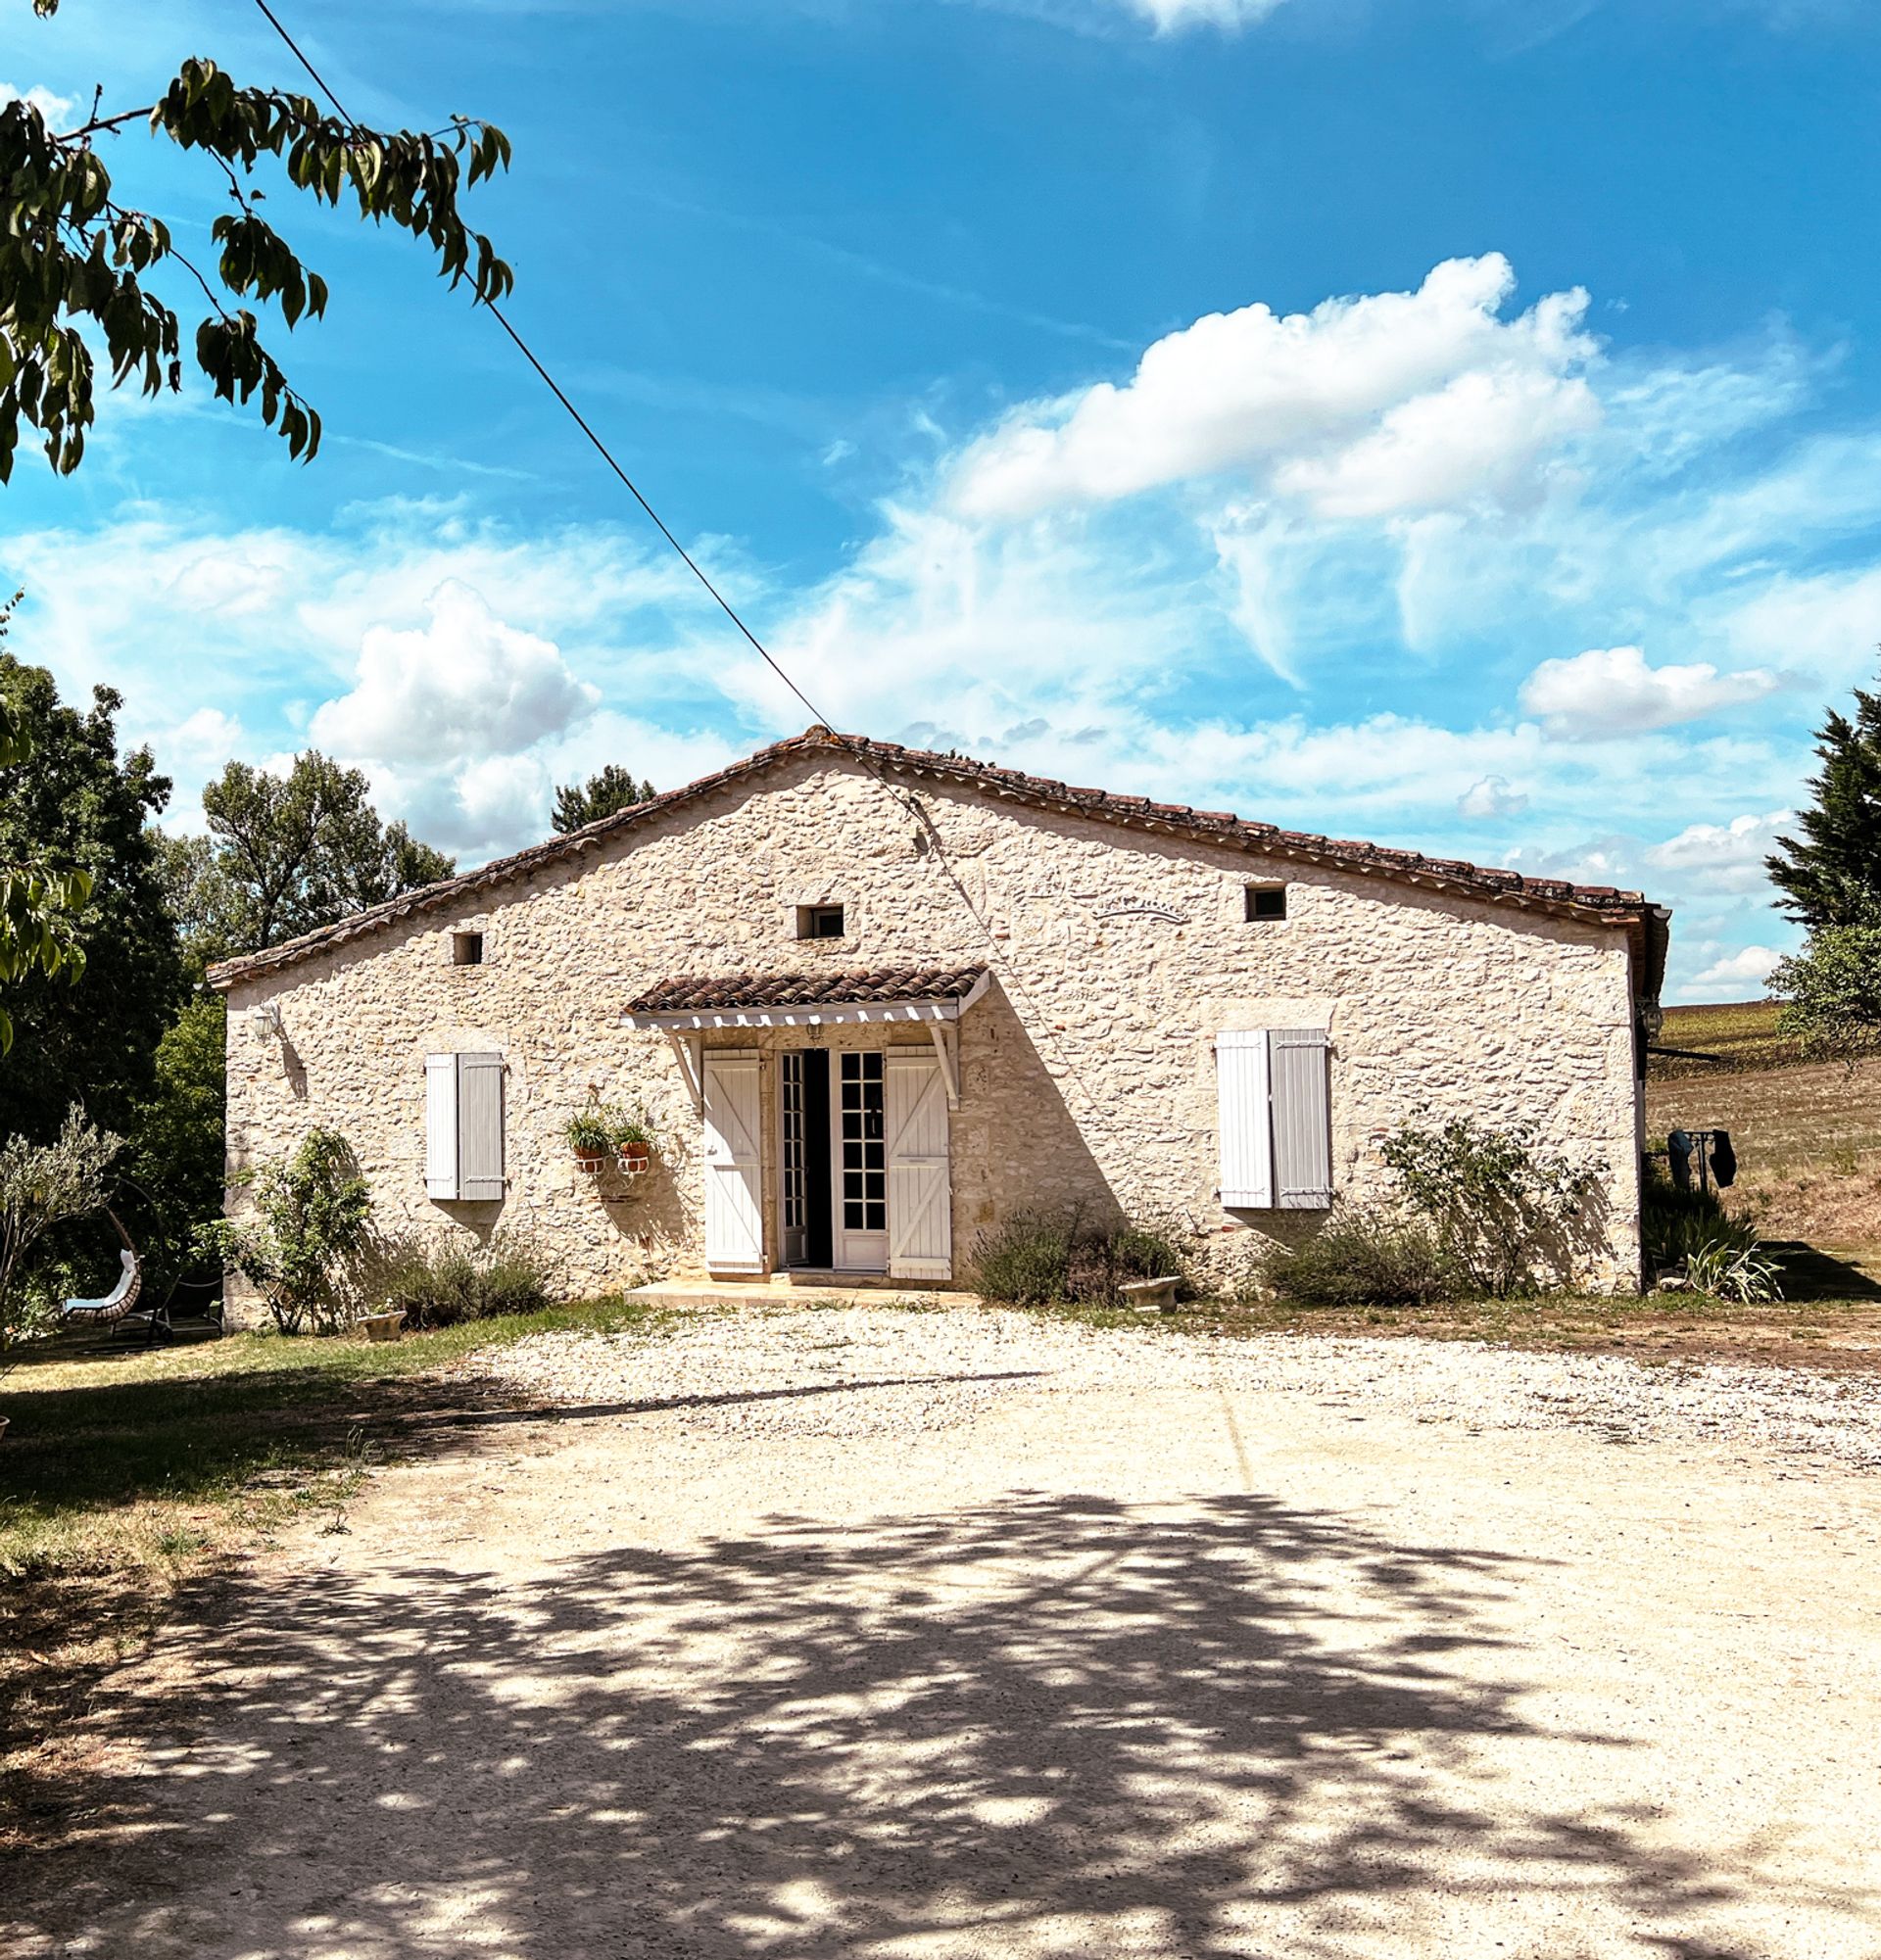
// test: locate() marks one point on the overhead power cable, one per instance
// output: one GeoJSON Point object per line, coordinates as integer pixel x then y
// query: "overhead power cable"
{"type": "Point", "coordinates": [580, 420]}
{"type": "Point", "coordinates": [1002, 955]}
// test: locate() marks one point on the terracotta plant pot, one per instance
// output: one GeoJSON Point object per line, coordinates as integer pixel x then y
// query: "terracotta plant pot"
{"type": "Point", "coordinates": [634, 1159]}
{"type": "Point", "coordinates": [590, 1163]}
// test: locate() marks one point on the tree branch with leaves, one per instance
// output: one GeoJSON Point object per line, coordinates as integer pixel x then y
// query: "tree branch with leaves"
{"type": "Point", "coordinates": [75, 259]}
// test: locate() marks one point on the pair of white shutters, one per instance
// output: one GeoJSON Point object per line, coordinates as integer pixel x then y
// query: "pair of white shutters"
{"type": "Point", "coordinates": [915, 1126]}
{"type": "Point", "coordinates": [464, 1128]}
{"type": "Point", "coordinates": [1274, 1088]}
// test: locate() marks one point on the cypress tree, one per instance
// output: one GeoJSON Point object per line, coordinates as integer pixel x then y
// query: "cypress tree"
{"type": "Point", "coordinates": [1832, 871]}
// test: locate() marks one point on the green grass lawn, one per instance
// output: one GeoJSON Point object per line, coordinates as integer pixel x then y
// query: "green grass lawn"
{"type": "Point", "coordinates": [99, 1437]}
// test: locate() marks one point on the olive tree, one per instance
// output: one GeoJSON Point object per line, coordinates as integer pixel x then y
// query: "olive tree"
{"type": "Point", "coordinates": [43, 1185]}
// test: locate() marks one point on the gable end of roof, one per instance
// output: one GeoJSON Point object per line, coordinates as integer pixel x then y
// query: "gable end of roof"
{"type": "Point", "coordinates": [1598, 904]}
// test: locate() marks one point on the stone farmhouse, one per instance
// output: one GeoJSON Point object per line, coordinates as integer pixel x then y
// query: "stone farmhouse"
{"type": "Point", "coordinates": [872, 1001]}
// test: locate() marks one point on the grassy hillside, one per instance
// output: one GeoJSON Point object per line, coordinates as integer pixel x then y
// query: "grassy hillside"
{"type": "Point", "coordinates": [1808, 1134]}
{"type": "Point", "coordinates": [1741, 1034]}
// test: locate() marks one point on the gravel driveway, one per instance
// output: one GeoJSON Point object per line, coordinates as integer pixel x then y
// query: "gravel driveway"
{"type": "Point", "coordinates": [863, 1632]}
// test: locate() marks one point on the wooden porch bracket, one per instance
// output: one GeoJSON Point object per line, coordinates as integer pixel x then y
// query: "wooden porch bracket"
{"type": "Point", "coordinates": [686, 1049]}
{"type": "Point", "coordinates": [946, 1035]}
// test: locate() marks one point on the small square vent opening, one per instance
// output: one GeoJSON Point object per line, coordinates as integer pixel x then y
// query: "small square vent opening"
{"type": "Point", "coordinates": [819, 922]}
{"type": "Point", "coordinates": [467, 949]}
{"type": "Point", "coordinates": [1267, 901]}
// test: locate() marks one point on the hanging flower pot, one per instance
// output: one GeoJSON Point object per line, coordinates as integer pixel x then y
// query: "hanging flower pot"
{"type": "Point", "coordinates": [591, 1137]}
{"type": "Point", "coordinates": [633, 1146]}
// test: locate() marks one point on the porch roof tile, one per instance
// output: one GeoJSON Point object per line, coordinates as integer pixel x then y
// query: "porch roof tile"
{"type": "Point", "coordinates": [871, 986]}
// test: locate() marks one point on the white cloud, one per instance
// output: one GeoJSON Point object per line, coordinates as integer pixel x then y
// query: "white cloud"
{"type": "Point", "coordinates": [56, 109]}
{"type": "Point", "coordinates": [1829, 623]}
{"type": "Point", "coordinates": [1750, 966]}
{"type": "Point", "coordinates": [1721, 857]}
{"type": "Point", "coordinates": [1372, 405]}
{"type": "Point", "coordinates": [463, 685]}
{"type": "Point", "coordinates": [1172, 16]}
{"type": "Point", "coordinates": [1484, 436]}
{"type": "Point", "coordinates": [1610, 690]}
{"type": "Point", "coordinates": [1491, 796]}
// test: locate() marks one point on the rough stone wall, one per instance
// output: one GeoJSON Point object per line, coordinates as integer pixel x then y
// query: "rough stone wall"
{"type": "Point", "coordinates": [1087, 1070]}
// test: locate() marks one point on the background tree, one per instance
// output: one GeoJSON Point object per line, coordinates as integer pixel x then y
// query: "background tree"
{"type": "Point", "coordinates": [609, 789]}
{"type": "Point", "coordinates": [74, 260]}
{"type": "Point", "coordinates": [39, 899]}
{"type": "Point", "coordinates": [1832, 992]}
{"type": "Point", "coordinates": [176, 1152]}
{"type": "Point", "coordinates": [78, 803]}
{"type": "Point", "coordinates": [1832, 873]}
{"type": "Point", "coordinates": [286, 854]}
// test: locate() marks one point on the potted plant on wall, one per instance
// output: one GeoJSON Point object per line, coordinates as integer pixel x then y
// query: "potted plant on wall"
{"type": "Point", "coordinates": [633, 1146]}
{"type": "Point", "coordinates": [591, 1137]}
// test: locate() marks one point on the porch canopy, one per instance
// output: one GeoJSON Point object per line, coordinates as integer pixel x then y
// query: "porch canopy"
{"type": "Point", "coordinates": [932, 995]}
{"type": "Point", "coordinates": [936, 997]}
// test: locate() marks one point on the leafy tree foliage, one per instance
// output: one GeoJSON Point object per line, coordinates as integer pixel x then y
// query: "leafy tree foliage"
{"type": "Point", "coordinates": [286, 854]}
{"type": "Point", "coordinates": [37, 897]}
{"type": "Point", "coordinates": [611, 789]}
{"type": "Point", "coordinates": [175, 1151]}
{"type": "Point", "coordinates": [1832, 873]}
{"type": "Point", "coordinates": [74, 260]}
{"type": "Point", "coordinates": [87, 1033]}
{"type": "Point", "coordinates": [1832, 990]}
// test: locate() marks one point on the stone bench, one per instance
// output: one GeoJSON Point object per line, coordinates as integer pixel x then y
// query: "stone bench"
{"type": "Point", "coordinates": [1150, 1296]}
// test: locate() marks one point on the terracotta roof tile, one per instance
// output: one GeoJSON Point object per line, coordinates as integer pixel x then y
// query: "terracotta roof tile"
{"type": "Point", "coordinates": [693, 993]}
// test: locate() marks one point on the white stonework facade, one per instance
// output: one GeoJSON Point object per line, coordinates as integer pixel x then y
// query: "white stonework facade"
{"type": "Point", "coordinates": [1118, 951]}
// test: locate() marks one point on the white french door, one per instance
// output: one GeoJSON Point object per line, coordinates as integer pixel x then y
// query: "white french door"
{"type": "Point", "coordinates": [920, 1183]}
{"type": "Point", "coordinates": [734, 1210]}
{"type": "Point", "coordinates": [859, 1162]}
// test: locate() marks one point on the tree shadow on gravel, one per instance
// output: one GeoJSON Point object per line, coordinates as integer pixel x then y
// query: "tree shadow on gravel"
{"type": "Point", "coordinates": [1049, 1725]}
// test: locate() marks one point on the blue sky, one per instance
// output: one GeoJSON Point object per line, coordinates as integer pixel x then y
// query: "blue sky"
{"type": "Point", "coordinates": [1454, 422]}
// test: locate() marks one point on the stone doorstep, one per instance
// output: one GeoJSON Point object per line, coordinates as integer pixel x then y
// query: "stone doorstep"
{"type": "Point", "coordinates": [861, 1290]}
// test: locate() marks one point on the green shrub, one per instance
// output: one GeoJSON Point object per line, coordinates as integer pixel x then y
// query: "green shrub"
{"type": "Point", "coordinates": [1362, 1258]}
{"type": "Point", "coordinates": [1506, 1210]}
{"type": "Point", "coordinates": [1736, 1272]}
{"type": "Point", "coordinates": [313, 1219]}
{"type": "Point", "coordinates": [1025, 1260]}
{"type": "Point", "coordinates": [1042, 1258]}
{"type": "Point", "coordinates": [439, 1283]}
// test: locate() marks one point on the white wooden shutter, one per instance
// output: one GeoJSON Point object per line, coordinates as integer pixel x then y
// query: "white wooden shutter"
{"type": "Point", "coordinates": [441, 1126]}
{"type": "Point", "coordinates": [1247, 1138]}
{"type": "Point", "coordinates": [480, 1128]}
{"type": "Point", "coordinates": [734, 1212]}
{"type": "Point", "coordinates": [1300, 1091]}
{"type": "Point", "coordinates": [920, 1207]}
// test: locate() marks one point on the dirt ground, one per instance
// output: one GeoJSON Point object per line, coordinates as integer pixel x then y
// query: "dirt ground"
{"type": "Point", "coordinates": [907, 1635]}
